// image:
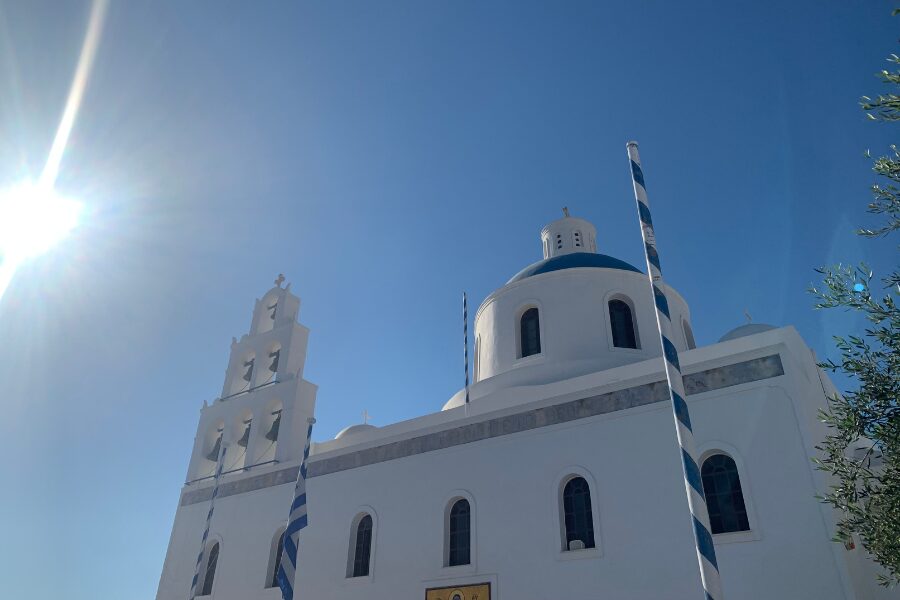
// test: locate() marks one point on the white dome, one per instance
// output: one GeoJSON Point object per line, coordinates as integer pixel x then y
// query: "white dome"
{"type": "Point", "coordinates": [354, 430]}
{"type": "Point", "coordinates": [745, 330]}
{"type": "Point", "coordinates": [562, 307]}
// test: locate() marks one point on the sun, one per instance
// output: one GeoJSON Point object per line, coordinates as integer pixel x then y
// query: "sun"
{"type": "Point", "coordinates": [32, 219]}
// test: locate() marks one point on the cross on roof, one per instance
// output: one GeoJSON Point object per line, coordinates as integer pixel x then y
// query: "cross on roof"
{"type": "Point", "coordinates": [365, 416]}
{"type": "Point", "coordinates": [280, 279]}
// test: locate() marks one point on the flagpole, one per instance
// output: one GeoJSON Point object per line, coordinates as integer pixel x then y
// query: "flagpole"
{"type": "Point", "coordinates": [220, 463]}
{"type": "Point", "coordinates": [466, 345]}
{"type": "Point", "coordinates": [706, 552]}
{"type": "Point", "coordinates": [297, 520]}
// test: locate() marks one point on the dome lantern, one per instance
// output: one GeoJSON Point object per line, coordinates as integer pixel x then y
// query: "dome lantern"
{"type": "Point", "coordinates": [568, 235]}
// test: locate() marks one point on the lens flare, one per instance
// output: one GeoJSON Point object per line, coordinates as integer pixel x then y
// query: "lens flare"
{"type": "Point", "coordinates": [33, 217]}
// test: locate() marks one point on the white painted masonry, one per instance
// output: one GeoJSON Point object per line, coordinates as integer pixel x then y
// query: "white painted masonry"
{"type": "Point", "coordinates": [581, 407]}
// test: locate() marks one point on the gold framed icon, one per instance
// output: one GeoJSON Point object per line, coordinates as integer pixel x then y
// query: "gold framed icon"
{"type": "Point", "coordinates": [478, 591]}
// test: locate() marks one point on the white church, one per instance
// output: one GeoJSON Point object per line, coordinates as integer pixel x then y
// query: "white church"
{"type": "Point", "coordinates": [560, 479]}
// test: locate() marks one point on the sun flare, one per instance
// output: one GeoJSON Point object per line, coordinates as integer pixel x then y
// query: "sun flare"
{"type": "Point", "coordinates": [32, 219]}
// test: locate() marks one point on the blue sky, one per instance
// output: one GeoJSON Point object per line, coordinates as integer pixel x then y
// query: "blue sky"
{"type": "Point", "coordinates": [385, 157]}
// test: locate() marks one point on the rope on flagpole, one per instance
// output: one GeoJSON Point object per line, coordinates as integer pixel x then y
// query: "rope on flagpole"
{"type": "Point", "coordinates": [706, 552]}
{"type": "Point", "coordinates": [220, 463]}
{"type": "Point", "coordinates": [297, 520]}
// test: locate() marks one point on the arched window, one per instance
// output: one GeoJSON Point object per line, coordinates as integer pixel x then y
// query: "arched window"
{"type": "Point", "coordinates": [724, 498]}
{"type": "Point", "coordinates": [459, 534]}
{"type": "Point", "coordinates": [210, 575]}
{"type": "Point", "coordinates": [272, 580]}
{"type": "Point", "coordinates": [622, 324]}
{"type": "Point", "coordinates": [362, 551]}
{"type": "Point", "coordinates": [577, 514]}
{"type": "Point", "coordinates": [476, 371]}
{"type": "Point", "coordinates": [689, 335]}
{"type": "Point", "coordinates": [530, 333]}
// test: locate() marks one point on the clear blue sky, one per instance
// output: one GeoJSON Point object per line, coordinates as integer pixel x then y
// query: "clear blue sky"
{"type": "Point", "coordinates": [385, 157]}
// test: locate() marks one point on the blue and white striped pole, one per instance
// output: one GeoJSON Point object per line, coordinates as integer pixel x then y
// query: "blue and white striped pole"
{"type": "Point", "coordinates": [212, 505]}
{"type": "Point", "coordinates": [287, 570]}
{"type": "Point", "coordinates": [706, 552]}
{"type": "Point", "coordinates": [466, 341]}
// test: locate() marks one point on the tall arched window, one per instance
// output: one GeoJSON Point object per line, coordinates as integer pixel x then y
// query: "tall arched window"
{"type": "Point", "coordinates": [724, 498]}
{"type": "Point", "coordinates": [622, 324]}
{"type": "Point", "coordinates": [272, 580]}
{"type": "Point", "coordinates": [459, 534]}
{"type": "Point", "coordinates": [210, 575]}
{"type": "Point", "coordinates": [362, 551]}
{"type": "Point", "coordinates": [577, 514]}
{"type": "Point", "coordinates": [530, 333]}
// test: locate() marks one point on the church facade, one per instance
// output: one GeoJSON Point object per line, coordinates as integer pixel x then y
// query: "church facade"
{"type": "Point", "coordinates": [560, 478]}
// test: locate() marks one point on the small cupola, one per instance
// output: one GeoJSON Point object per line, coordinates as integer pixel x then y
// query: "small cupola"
{"type": "Point", "coordinates": [568, 235]}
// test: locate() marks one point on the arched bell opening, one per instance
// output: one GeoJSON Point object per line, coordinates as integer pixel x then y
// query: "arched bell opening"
{"type": "Point", "coordinates": [242, 380]}
{"type": "Point", "coordinates": [270, 427]}
{"type": "Point", "coordinates": [273, 363]}
{"type": "Point", "coordinates": [268, 313]}
{"type": "Point", "coordinates": [210, 450]}
{"type": "Point", "coordinates": [243, 426]}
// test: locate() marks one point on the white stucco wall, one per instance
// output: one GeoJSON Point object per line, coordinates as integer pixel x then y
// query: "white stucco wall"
{"type": "Point", "coordinates": [645, 548]}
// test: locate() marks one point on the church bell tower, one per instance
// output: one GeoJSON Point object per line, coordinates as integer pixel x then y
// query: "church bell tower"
{"type": "Point", "coordinates": [259, 422]}
{"type": "Point", "coordinates": [260, 416]}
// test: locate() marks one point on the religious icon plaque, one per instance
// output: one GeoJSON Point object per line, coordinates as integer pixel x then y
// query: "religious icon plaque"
{"type": "Point", "coordinates": [479, 591]}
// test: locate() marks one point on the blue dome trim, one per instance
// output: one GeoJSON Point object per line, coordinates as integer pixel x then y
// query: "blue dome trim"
{"type": "Point", "coordinates": [575, 260]}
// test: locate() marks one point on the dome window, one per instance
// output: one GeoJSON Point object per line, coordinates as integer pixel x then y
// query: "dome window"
{"type": "Point", "coordinates": [559, 241]}
{"type": "Point", "coordinates": [622, 324]}
{"type": "Point", "coordinates": [689, 335]}
{"type": "Point", "coordinates": [530, 333]}
{"type": "Point", "coordinates": [577, 236]}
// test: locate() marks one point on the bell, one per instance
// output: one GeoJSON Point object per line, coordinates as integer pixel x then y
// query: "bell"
{"type": "Point", "coordinates": [274, 309]}
{"type": "Point", "coordinates": [273, 431]}
{"type": "Point", "coordinates": [245, 439]}
{"type": "Point", "coordinates": [274, 356]}
{"type": "Point", "coordinates": [214, 453]}
{"type": "Point", "coordinates": [249, 374]}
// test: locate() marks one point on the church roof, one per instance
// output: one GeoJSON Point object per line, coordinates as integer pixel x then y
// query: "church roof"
{"type": "Point", "coordinates": [573, 261]}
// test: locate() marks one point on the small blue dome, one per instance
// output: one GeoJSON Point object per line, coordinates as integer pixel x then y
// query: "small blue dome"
{"type": "Point", "coordinates": [745, 330]}
{"type": "Point", "coordinates": [574, 260]}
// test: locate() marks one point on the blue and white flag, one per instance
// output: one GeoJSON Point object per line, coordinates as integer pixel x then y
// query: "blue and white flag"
{"type": "Point", "coordinates": [212, 505]}
{"type": "Point", "coordinates": [287, 570]}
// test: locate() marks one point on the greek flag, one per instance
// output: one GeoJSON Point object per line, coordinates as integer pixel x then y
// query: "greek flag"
{"type": "Point", "coordinates": [296, 521]}
{"type": "Point", "coordinates": [212, 505]}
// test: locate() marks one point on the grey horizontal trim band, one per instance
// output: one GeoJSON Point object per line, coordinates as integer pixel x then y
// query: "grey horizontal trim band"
{"type": "Point", "coordinates": [582, 408]}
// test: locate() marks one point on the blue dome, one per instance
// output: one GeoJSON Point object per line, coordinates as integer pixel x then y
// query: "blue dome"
{"type": "Point", "coordinates": [574, 260]}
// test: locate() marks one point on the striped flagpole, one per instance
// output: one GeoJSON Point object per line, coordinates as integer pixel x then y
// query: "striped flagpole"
{"type": "Point", "coordinates": [296, 521]}
{"type": "Point", "coordinates": [466, 341]}
{"type": "Point", "coordinates": [706, 552]}
{"type": "Point", "coordinates": [212, 504]}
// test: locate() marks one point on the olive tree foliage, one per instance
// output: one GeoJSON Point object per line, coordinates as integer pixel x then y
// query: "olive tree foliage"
{"type": "Point", "coordinates": [862, 448]}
